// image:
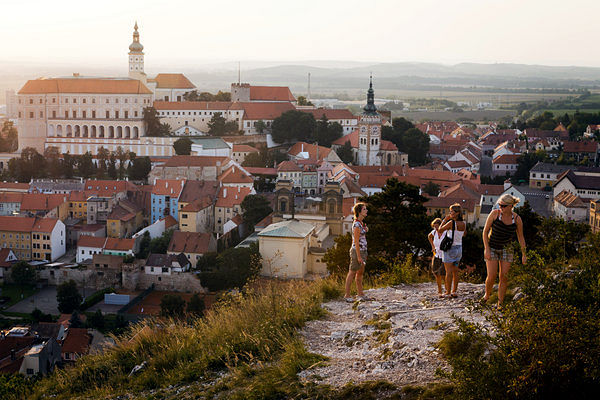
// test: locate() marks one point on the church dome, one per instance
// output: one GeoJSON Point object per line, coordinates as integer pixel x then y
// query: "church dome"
{"type": "Point", "coordinates": [136, 46]}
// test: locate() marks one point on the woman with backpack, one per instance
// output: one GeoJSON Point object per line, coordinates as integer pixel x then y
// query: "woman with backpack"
{"type": "Point", "coordinates": [451, 246]}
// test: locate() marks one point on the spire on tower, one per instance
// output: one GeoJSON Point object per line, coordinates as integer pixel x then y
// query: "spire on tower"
{"type": "Point", "coordinates": [136, 46]}
{"type": "Point", "coordinates": [370, 108]}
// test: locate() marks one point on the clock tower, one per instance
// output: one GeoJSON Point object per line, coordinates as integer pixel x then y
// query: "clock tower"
{"type": "Point", "coordinates": [369, 131]}
{"type": "Point", "coordinates": [136, 57]}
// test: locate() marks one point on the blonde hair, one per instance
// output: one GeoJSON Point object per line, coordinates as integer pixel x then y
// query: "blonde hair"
{"type": "Point", "coordinates": [508, 199]}
{"type": "Point", "coordinates": [457, 209]}
{"type": "Point", "coordinates": [436, 221]}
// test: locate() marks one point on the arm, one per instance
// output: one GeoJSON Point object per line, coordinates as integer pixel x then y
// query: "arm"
{"type": "Point", "coordinates": [486, 234]}
{"type": "Point", "coordinates": [430, 238]}
{"type": "Point", "coordinates": [356, 237]}
{"type": "Point", "coordinates": [446, 224]}
{"type": "Point", "coordinates": [521, 239]}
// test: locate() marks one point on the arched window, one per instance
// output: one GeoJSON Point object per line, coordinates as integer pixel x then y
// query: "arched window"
{"type": "Point", "coordinates": [85, 131]}
{"type": "Point", "coordinates": [101, 133]}
{"type": "Point", "coordinates": [59, 130]}
{"type": "Point", "coordinates": [119, 132]}
{"type": "Point", "coordinates": [283, 205]}
{"type": "Point", "coordinates": [77, 131]}
{"type": "Point", "coordinates": [69, 131]}
{"type": "Point", "coordinates": [111, 132]}
{"type": "Point", "coordinates": [136, 132]}
{"type": "Point", "coordinates": [331, 206]}
{"type": "Point", "coordinates": [127, 132]}
{"type": "Point", "coordinates": [93, 132]}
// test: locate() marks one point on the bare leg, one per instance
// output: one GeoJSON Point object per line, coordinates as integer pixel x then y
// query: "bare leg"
{"type": "Point", "coordinates": [504, 268]}
{"type": "Point", "coordinates": [448, 267]}
{"type": "Point", "coordinates": [359, 281]}
{"type": "Point", "coordinates": [438, 280]}
{"type": "Point", "coordinates": [455, 278]}
{"type": "Point", "coordinates": [349, 279]}
{"type": "Point", "coordinates": [492, 272]}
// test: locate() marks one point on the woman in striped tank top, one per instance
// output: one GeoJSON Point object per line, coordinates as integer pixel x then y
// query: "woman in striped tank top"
{"type": "Point", "coordinates": [500, 229]}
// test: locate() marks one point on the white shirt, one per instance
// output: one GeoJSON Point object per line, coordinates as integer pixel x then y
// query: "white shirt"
{"type": "Point", "coordinates": [437, 240]}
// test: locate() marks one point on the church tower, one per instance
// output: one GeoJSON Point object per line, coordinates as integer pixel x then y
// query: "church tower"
{"type": "Point", "coordinates": [136, 57]}
{"type": "Point", "coordinates": [369, 131]}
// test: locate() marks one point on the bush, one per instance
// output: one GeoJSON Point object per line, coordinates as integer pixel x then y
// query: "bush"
{"type": "Point", "coordinates": [546, 343]}
{"type": "Point", "coordinates": [94, 298]}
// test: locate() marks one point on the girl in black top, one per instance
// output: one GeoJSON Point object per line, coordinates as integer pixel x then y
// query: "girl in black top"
{"type": "Point", "coordinates": [500, 229]}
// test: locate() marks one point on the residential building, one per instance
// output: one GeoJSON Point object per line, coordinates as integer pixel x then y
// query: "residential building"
{"type": "Point", "coordinates": [584, 184]}
{"type": "Point", "coordinates": [570, 207]}
{"type": "Point", "coordinates": [290, 171]}
{"type": "Point", "coordinates": [45, 205]}
{"type": "Point", "coordinates": [10, 203]}
{"type": "Point", "coordinates": [196, 206]}
{"type": "Point", "coordinates": [191, 167]}
{"type": "Point", "coordinates": [211, 147]}
{"type": "Point", "coordinates": [119, 247]}
{"type": "Point", "coordinates": [241, 151]}
{"type": "Point", "coordinates": [87, 246]}
{"type": "Point", "coordinates": [165, 195]}
{"type": "Point", "coordinates": [76, 344]}
{"type": "Point", "coordinates": [244, 92]}
{"type": "Point", "coordinates": [166, 264]}
{"type": "Point", "coordinates": [170, 87]}
{"type": "Point", "coordinates": [306, 153]}
{"type": "Point", "coordinates": [580, 151]}
{"type": "Point", "coordinates": [236, 176]}
{"type": "Point", "coordinates": [56, 186]}
{"type": "Point", "coordinates": [193, 245]}
{"type": "Point", "coordinates": [594, 216]}
{"type": "Point", "coordinates": [544, 175]}
{"type": "Point", "coordinates": [48, 239]}
{"type": "Point", "coordinates": [7, 259]}
{"type": "Point", "coordinates": [505, 164]}
{"type": "Point", "coordinates": [124, 220]}
{"type": "Point", "coordinates": [289, 249]}
{"type": "Point", "coordinates": [229, 204]}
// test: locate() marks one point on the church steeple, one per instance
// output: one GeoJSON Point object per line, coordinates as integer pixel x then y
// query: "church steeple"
{"type": "Point", "coordinates": [370, 108]}
{"type": "Point", "coordinates": [136, 57]}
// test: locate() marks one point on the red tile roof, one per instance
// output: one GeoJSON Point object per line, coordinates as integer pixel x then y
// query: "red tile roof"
{"type": "Point", "coordinates": [266, 221]}
{"type": "Point", "coordinates": [311, 149]}
{"type": "Point", "coordinates": [387, 146]}
{"type": "Point", "coordinates": [261, 171]}
{"type": "Point", "coordinates": [172, 81]}
{"type": "Point", "coordinates": [271, 93]}
{"type": "Point", "coordinates": [244, 148]}
{"type": "Point", "coordinates": [235, 175]}
{"type": "Point", "coordinates": [4, 253]}
{"type": "Point", "coordinates": [44, 225]}
{"type": "Point", "coordinates": [85, 86]}
{"type": "Point", "coordinates": [231, 196]}
{"type": "Point", "coordinates": [569, 200]}
{"type": "Point", "coordinates": [507, 159]}
{"type": "Point", "coordinates": [265, 111]}
{"type": "Point", "coordinates": [77, 341]}
{"type": "Point", "coordinates": [580, 147]}
{"type": "Point", "coordinates": [107, 188]}
{"type": "Point", "coordinates": [42, 202]}
{"type": "Point", "coordinates": [77, 195]}
{"type": "Point", "coordinates": [16, 224]}
{"type": "Point", "coordinates": [91, 241]}
{"type": "Point", "coordinates": [190, 242]}
{"type": "Point", "coordinates": [168, 187]}
{"type": "Point", "coordinates": [351, 137]}
{"type": "Point", "coordinates": [288, 166]}
{"type": "Point", "coordinates": [14, 187]}
{"type": "Point", "coordinates": [119, 244]}
{"type": "Point", "coordinates": [11, 197]}
{"type": "Point", "coordinates": [169, 221]}
{"type": "Point", "coordinates": [198, 204]}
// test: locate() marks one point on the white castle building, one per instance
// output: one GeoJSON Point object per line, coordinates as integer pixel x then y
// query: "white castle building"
{"type": "Point", "coordinates": [79, 114]}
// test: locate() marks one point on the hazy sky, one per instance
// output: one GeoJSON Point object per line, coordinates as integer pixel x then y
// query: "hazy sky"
{"type": "Point", "coordinates": [551, 32]}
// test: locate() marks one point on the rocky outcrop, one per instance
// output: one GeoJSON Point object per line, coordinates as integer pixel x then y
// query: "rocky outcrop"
{"type": "Point", "coordinates": [392, 337]}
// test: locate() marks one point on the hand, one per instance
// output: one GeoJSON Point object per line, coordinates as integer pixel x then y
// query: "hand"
{"type": "Point", "coordinates": [487, 254]}
{"type": "Point", "coordinates": [524, 258]}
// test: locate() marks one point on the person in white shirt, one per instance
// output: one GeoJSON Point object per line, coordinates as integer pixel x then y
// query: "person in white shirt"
{"type": "Point", "coordinates": [437, 266]}
{"type": "Point", "coordinates": [455, 227]}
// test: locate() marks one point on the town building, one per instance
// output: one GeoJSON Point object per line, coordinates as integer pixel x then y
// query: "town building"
{"type": "Point", "coordinates": [193, 245]}
{"type": "Point", "coordinates": [229, 204]}
{"type": "Point", "coordinates": [570, 207]}
{"type": "Point", "coordinates": [165, 195]}
{"type": "Point", "coordinates": [583, 184]}
{"type": "Point", "coordinates": [594, 220]}
{"type": "Point", "coordinates": [544, 175]}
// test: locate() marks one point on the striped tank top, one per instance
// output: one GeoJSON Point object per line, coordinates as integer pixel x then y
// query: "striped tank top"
{"type": "Point", "coordinates": [502, 234]}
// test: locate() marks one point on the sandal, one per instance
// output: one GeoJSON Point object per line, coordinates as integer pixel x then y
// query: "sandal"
{"type": "Point", "coordinates": [348, 299]}
{"type": "Point", "coordinates": [364, 298]}
{"type": "Point", "coordinates": [453, 295]}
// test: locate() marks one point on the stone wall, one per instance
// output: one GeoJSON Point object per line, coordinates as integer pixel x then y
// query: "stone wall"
{"type": "Point", "coordinates": [176, 282]}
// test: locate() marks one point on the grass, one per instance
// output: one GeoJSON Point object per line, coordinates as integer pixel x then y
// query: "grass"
{"type": "Point", "coordinates": [15, 291]}
{"type": "Point", "coordinates": [252, 337]}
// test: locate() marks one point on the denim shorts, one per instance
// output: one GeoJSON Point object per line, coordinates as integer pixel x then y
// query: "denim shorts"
{"type": "Point", "coordinates": [453, 255]}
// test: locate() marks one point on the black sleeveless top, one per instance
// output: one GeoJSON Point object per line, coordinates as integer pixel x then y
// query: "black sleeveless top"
{"type": "Point", "coordinates": [502, 234]}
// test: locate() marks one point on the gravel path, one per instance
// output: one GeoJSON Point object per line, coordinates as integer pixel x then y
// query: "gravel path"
{"type": "Point", "coordinates": [391, 338]}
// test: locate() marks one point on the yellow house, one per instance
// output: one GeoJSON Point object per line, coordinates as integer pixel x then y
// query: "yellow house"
{"type": "Point", "coordinates": [125, 219]}
{"type": "Point", "coordinates": [15, 234]}
{"type": "Point", "coordinates": [78, 205]}
{"type": "Point", "coordinates": [197, 216]}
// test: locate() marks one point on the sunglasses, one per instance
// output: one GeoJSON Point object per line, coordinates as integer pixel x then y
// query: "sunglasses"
{"type": "Point", "coordinates": [503, 205]}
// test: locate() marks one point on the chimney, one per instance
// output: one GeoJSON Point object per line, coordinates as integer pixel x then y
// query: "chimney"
{"type": "Point", "coordinates": [224, 192]}
{"type": "Point", "coordinates": [233, 169]}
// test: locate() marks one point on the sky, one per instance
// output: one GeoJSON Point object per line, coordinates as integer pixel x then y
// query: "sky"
{"type": "Point", "coordinates": [193, 33]}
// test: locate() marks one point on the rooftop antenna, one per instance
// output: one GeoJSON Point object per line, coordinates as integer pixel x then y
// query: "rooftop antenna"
{"type": "Point", "coordinates": [308, 86]}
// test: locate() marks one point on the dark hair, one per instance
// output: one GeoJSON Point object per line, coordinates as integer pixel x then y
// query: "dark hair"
{"type": "Point", "coordinates": [457, 209]}
{"type": "Point", "coordinates": [357, 209]}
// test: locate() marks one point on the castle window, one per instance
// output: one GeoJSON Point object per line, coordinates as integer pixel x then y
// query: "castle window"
{"type": "Point", "coordinates": [84, 101]}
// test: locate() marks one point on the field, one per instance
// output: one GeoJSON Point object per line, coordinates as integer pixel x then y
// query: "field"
{"type": "Point", "coordinates": [483, 115]}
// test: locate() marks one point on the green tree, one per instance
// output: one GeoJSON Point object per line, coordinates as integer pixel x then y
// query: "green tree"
{"type": "Point", "coordinates": [216, 125]}
{"type": "Point", "coordinates": [255, 208]}
{"type": "Point", "coordinates": [327, 132]}
{"type": "Point", "coordinates": [153, 124]}
{"type": "Point", "coordinates": [260, 126]}
{"type": "Point", "coordinates": [196, 305]}
{"type": "Point", "coordinates": [38, 316]}
{"type": "Point", "coordinates": [172, 305]}
{"type": "Point", "coordinates": [68, 297]}
{"type": "Point", "coordinates": [97, 320]}
{"type": "Point", "coordinates": [337, 257]}
{"type": "Point", "coordinates": [9, 138]}
{"type": "Point", "coordinates": [345, 153]}
{"type": "Point", "coordinates": [122, 156]}
{"type": "Point", "coordinates": [397, 220]}
{"type": "Point", "coordinates": [23, 274]}
{"type": "Point", "coordinates": [183, 146]}
{"type": "Point", "coordinates": [140, 168]}
{"type": "Point", "coordinates": [144, 246]}
{"type": "Point", "coordinates": [234, 267]}
{"type": "Point", "coordinates": [293, 125]}
{"type": "Point", "coordinates": [112, 167]}
{"type": "Point", "coordinates": [416, 144]}
{"type": "Point", "coordinates": [68, 165]}
{"type": "Point", "coordinates": [160, 244]}
{"type": "Point", "coordinates": [85, 165]}
{"type": "Point", "coordinates": [30, 165]}
{"type": "Point", "coordinates": [103, 155]}
{"type": "Point", "coordinates": [53, 162]}
{"type": "Point", "coordinates": [302, 101]}
{"type": "Point", "coordinates": [432, 189]}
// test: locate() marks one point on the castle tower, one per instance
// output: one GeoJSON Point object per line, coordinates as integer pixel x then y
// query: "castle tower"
{"type": "Point", "coordinates": [136, 57]}
{"type": "Point", "coordinates": [369, 128]}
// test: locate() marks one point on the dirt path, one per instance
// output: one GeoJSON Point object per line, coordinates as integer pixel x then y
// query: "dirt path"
{"type": "Point", "coordinates": [391, 337]}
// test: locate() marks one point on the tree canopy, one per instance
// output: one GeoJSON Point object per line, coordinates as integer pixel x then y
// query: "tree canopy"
{"type": "Point", "coordinates": [22, 273]}
{"type": "Point", "coordinates": [408, 139]}
{"type": "Point", "coordinates": [68, 297]}
{"type": "Point", "coordinates": [292, 126]}
{"type": "Point", "coordinates": [345, 153]}
{"type": "Point", "coordinates": [255, 208]}
{"type": "Point", "coordinates": [183, 146]}
{"type": "Point", "coordinates": [219, 126]}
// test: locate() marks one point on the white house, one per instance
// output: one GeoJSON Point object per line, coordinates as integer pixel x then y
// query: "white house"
{"type": "Point", "coordinates": [570, 207]}
{"type": "Point", "coordinates": [87, 246]}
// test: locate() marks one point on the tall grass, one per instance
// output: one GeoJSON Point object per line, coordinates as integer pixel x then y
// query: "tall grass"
{"type": "Point", "coordinates": [247, 331]}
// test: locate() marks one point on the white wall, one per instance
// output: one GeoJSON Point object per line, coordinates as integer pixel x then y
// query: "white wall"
{"type": "Point", "coordinates": [284, 257]}
{"type": "Point", "coordinates": [58, 240]}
